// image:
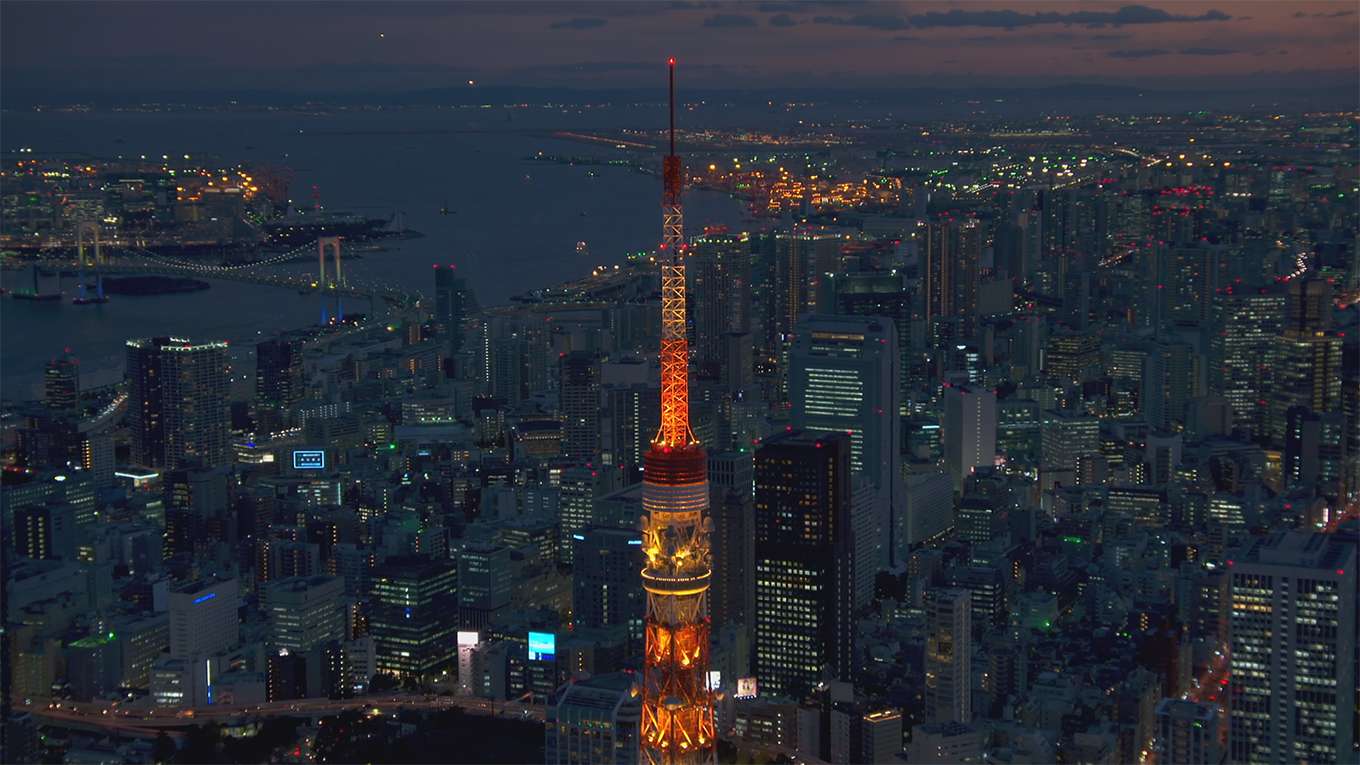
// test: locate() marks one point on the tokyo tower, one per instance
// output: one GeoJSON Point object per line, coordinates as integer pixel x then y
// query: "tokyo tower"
{"type": "Point", "coordinates": [677, 704]}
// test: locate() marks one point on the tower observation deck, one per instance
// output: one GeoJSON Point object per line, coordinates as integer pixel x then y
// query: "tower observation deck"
{"type": "Point", "coordinates": [677, 704]}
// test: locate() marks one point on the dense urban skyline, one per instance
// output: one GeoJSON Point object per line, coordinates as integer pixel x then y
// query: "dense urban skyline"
{"type": "Point", "coordinates": [599, 420]}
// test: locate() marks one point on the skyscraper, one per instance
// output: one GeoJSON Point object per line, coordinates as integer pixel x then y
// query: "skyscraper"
{"type": "Point", "coordinates": [1293, 626]}
{"type": "Point", "coordinates": [720, 275]}
{"type": "Point", "coordinates": [804, 561]}
{"type": "Point", "coordinates": [279, 382]}
{"type": "Point", "coordinates": [968, 272]}
{"type": "Point", "coordinates": [1305, 370]}
{"type": "Point", "coordinates": [61, 384]}
{"type": "Point", "coordinates": [969, 430]}
{"type": "Point", "coordinates": [1243, 328]}
{"type": "Point", "coordinates": [730, 475]}
{"type": "Point", "coordinates": [604, 573]}
{"type": "Point", "coordinates": [1315, 450]}
{"type": "Point", "coordinates": [937, 276]}
{"type": "Point", "coordinates": [415, 615]}
{"type": "Point", "coordinates": [195, 511]}
{"type": "Point", "coordinates": [177, 402]}
{"type": "Point", "coordinates": [1308, 305]}
{"type": "Point", "coordinates": [452, 304]}
{"type": "Point", "coordinates": [1066, 438]}
{"type": "Point", "coordinates": [580, 392]}
{"type": "Point", "coordinates": [949, 685]}
{"type": "Point", "coordinates": [950, 267]}
{"type": "Point", "coordinates": [801, 259]}
{"type": "Point", "coordinates": [843, 377]}
{"type": "Point", "coordinates": [576, 506]}
{"type": "Point", "coordinates": [881, 293]}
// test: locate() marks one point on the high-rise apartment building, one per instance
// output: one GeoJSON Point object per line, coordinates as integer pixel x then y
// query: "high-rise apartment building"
{"type": "Point", "coordinates": [1292, 649]}
{"type": "Point", "coordinates": [452, 304]}
{"type": "Point", "coordinates": [177, 402]}
{"type": "Point", "coordinates": [951, 254]}
{"type": "Point", "coordinates": [804, 560]}
{"type": "Point", "coordinates": [580, 405]}
{"type": "Point", "coordinates": [949, 684]}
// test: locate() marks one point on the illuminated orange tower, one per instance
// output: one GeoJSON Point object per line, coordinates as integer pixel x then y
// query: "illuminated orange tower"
{"type": "Point", "coordinates": [677, 705]}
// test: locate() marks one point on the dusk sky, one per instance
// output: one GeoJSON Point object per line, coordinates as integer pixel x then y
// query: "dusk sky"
{"type": "Point", "coordinates": [359, 47]}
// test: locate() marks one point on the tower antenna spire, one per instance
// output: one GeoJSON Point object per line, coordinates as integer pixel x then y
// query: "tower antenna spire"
{"type": "Point", "coordinates": [677, 726]}
{"type": "Point", "coordinates": [671, 66]}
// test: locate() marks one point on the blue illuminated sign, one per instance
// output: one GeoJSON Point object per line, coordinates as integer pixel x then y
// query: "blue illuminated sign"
{"type": "Point", "coordinates": [202, 598]}
{"type": "Point", "coordinates": [542, 646]}
{"type": "Point", "coordinates": [309, 459]}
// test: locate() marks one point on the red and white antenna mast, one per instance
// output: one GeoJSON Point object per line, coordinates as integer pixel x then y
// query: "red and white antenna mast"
{"type": "Point", "coordinates": [677, 703]}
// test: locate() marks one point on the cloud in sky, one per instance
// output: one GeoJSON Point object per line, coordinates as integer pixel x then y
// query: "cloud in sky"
{"type": "Point", "coordinates": [728, 21]}
{"type": "Point", "coordinates": [887, 21]}
{"type": "Point", "coordinates": [325, 45]}
{"type": "Point", "coordinates": [1008, 19]}
{"type": "Point", "coordinates": [578, 23]}
{"type": "Point", "coordinates": [1011, 19]}
{"type": "Point", "coordinates": [1137, 53]}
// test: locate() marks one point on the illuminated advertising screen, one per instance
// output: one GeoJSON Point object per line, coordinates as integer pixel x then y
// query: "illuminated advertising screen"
{"type": "Point", "coordinates": [467, 638]}
{"type": "Point", "coordinates": [542, 646]}
{"type": "Point", "coordinates": [746, 688]}
{"type": "Point", "coordinates": [309, 459]}
{"type": "Point", "coordinates": [714, 679]}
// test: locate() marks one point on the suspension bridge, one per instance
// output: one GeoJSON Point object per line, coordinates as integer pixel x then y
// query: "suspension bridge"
{"type": "Point", "coordinates": [114, 258]}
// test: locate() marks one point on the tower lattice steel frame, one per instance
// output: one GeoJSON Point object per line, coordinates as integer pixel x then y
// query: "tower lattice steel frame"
{"type": "Point", "coordinates": [677, 704]}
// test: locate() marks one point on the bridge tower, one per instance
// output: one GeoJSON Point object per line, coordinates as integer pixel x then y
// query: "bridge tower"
{"type": "Point", "coordinates": [87, 232]}
{"type": "Point", "coordinates": [332, 242]}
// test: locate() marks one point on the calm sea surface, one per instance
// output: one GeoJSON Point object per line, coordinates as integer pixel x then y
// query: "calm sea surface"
{"type": "Point", "coordinates": [513, 224]}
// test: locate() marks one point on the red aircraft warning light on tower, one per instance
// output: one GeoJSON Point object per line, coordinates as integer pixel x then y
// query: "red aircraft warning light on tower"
{"type": "Point", "coordinates": [677, 704]}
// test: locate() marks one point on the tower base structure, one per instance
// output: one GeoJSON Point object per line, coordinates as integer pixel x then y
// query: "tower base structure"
{"type": "Point", "coordinates": [677, 704]}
